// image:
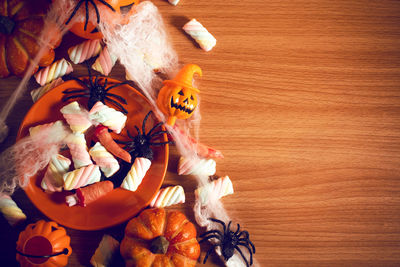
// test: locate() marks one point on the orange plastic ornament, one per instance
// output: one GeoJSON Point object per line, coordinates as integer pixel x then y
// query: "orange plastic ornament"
{"type": "Point", "coordinates": [43, 244]}
{"type": "Point", "coordinates": [178, 98]}
{"type": "Point", "coordinates": [91, 31]}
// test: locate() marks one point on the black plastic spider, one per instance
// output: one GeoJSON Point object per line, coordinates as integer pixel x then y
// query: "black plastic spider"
{"type": "Point", "coordinates": [78, 5]}
{"type": "Point", "coordinates": [96, 91]}
{"type": "Point", "coordinates": [140, 144]}
{"type": "Point", "coordinates": [228, 241]}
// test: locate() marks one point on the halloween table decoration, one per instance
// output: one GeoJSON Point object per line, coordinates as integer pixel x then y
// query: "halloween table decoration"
{"type": "Point", "coordinates": [43, 243]}
{"type": "Point", "coordinates": [21, 23]}
{"type": "Point", "coordinates": [160, 238]}
{"type": "Point", "coordinates": [178, 98]}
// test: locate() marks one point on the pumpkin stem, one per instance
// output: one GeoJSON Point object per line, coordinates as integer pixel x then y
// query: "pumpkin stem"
{"type": "Point", "coordinates": [159, 245]}
{"type": "Point", "coordinates": [6, 25]}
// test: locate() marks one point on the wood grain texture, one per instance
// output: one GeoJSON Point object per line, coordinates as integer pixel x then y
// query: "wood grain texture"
{"type": "Point", "coordinates": [303, 98]}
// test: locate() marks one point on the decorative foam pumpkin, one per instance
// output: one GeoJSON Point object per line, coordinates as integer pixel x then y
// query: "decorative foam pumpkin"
{"type": "Point", "coordinates": [178, 98]}
{"type": "Point", "coordinates": [43, 239]}
{"type": "Point", "coordinates": [91, 31]}
{"type": "Point", "coordinates": [160, 238]}
{"type": "Point", "coordinates": [21, 22]}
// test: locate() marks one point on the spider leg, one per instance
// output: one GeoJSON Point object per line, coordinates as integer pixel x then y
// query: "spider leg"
{"type": "Point", "coordinates": [249, 249]}
{"type": "Point", "coordinates": [144, 122]}
{"type": "Point", "coordinates": [238, 229]}
{"type": "Point", "coordinates": [72, 91]}
{"type": "Point", "coordinates": [117, 104]}
{"type": "Point", "coordinates": [220, 222]}
{"type": "Point", "coordinates": [107, 4]}
{"type": "Point", "coordinates": [160, 143]}
{"type": "Point", "coordinates": [129, 134]}
{"type": "Point", "coordinates": [244, 258]}
{"type": "Point", "coordinates": [97, 11]}
{"type": "Point", "coordinates": [79, 81]}
{"type": "Point", "coordinates": [209, 237]}
{"type": "Point", "coordinates": [154, 127]}
{"type": "Point", "coordinates": [211, 232]}
{"type": "Point", "coordinates": [229, 226]}
{"type": "Point", "coordinates": [87, 15]}
{"type": "Point", "coordinates": [158, 133]}
{"type": "Point", "coordinates": [116, 85]}
{"type": "Point", "coordinates": [120, 98]}
{"type": "Point", "coordinates": [74, 96]}
{"type": "Point", "coordinates": [105, 83]}
{"type": "Point", "coordinates": [209, 252]}
{"type": "Point", "coordinates": [245, 233]}
{"type": "Point", "coordinates": [74, 12]}
{"type": "Point", "coordinates": [247, 242]}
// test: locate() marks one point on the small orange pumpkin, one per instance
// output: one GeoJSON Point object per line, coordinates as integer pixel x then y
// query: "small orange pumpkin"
{"type": "Point", "coordinates": [21, 22]}
{"type": "Point", "coordinates": [160, 238]}
{"type": "Point", "coordinates": [91, 31]}
{"type": "Point", "coordinates": [43, 239]}
{"type": "Point", "coordinates": [178, 98]}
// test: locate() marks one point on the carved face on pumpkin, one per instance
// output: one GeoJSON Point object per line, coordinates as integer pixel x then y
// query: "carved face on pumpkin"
{"type": "Point", "coordinates": [178, 98]}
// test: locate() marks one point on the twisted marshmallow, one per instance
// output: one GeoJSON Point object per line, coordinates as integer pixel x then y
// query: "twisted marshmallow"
{"type": "Point", "coordinates": [109, 117]}
{"type": "Point", "coordinates": [216, 189]}
{"type": "Point", "coordinates": [103, 255]}
{"type": "Point", "coordinates": [84, 176]}
{"type": "Point", "coordinates": [84, 51]}
{"type": "Point", "coordinates": [168, 196]}
{"type": "Point", "coordinates": [200, 34]}
{"type": "Point", "coordinates": [77, 117]}
{"type": "Point", "coordinates": [135, 176]}
{"type": "Point", "coordinates": [104, 159]}
{"type": "Point", "coordinates": [12, 213]}
{"type": "Point", "coordinates": [173, 2]}
{"type": "Point", "coordinates": [196, 166]}
{"type": "Point", "coordinates": [76, 143]}
{"type": "Point", "coordinates": [47, 126]}
{"type": "Point", "coordinates": [105, 62]}
{"type": "Point", "coordinates": [53, 178]}
{"type": "Point", "coordinates": [58, 69]}
{"type": "Point", "coordinates": [39, 92]}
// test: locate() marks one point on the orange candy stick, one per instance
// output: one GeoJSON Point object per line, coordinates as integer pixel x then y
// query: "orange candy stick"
{"type": "Point", "coordinates": [108, 142]}
{"type": "Point", "coordinates": [201, 149]}
{"type": "Point", "coordinates": [88, 194]}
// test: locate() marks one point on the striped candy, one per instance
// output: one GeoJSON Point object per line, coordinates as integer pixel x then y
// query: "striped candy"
{"type": "Point", "coordinates": [85, 50]}
{"type": "Point", "coordinates": [57, 69]}
{"type": "Point", "coordinates": [135, 176]}
{"type": "Point", "coordinates": [168, 196]}
{"type": "Point", "coordinates": [77, 117]}
{"type": "Point", "coordinates": [10, 210]}
{"type": "Point", "coordinates": [53, 178]}
{"type": "Point", "coordinates": [104, 159]}
{"type": "Point", "coordinates": [217, 189]}
{"type": "Point", "coordinates": [200, 34]}
{"type": "Point", "coordinates": [76, 143]}
{"type": "Point", "coordinates": [105, 62]}
{"type": "Point", "coordinates": [196, 166]}
{"type": "Point", "coordinates": [80, 177]}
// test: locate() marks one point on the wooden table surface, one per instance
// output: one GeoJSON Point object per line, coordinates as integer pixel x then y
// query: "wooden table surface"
{"type": "Point", "coordinates": [303, 99]}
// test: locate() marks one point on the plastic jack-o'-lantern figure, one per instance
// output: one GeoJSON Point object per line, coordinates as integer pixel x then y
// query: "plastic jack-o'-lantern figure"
{"type": "Point", "coordinates": [43, 244]}
{"type": "Point", "coordinates": [178, 98]}
{"type": "Point", "coordinates": [87, 29]}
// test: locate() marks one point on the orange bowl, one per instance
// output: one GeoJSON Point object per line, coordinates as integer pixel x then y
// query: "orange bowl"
{"type": "Point", "coordinates": [118, 205]}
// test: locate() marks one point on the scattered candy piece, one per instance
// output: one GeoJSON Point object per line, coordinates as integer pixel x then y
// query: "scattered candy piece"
{"type": "Point", "coordinates": [173, 2]}
{"type": "Point", "coordinates": [104, 159]}
{"type": "Point", "coordinates": [53, 178]}
{"type": "Point", "coordinates": [81, 177]}
{"type": "Point", "coordinates": [84, 51]}
{"type": "Point", "coordinates": [58, 69]}
{"type": "Point", "coordinates": [196, 166]}
{"type": "Point", "coordinates": [90, 193]}
{"type": "Point", "coordinates": [109, 117]}
{"type": "Point", "coordinates": [39, 92]}
{"type": "Point", "coordinates": [168, 196]}
{"type": "Point", "coordinates": [10, 210]}
{"type": "Point", "coordinates": [104, 253]}
{"type": "Point", "coordinates": [77, 117]}
{"type": "Point", "coordinates": [105, 62]}
{"type": "Point", "coordinates": [217, 188]}
{"type": "Point", "coordinates": [47, 126]}
{"type": "Point", "coordinates": [76, 143]}
{"type": "Point", "coordinates": [135, 176]}
{"type": "Point", "coordinates": [108, 142]}
{"type": "Point", "coordinates": [200, 34]}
